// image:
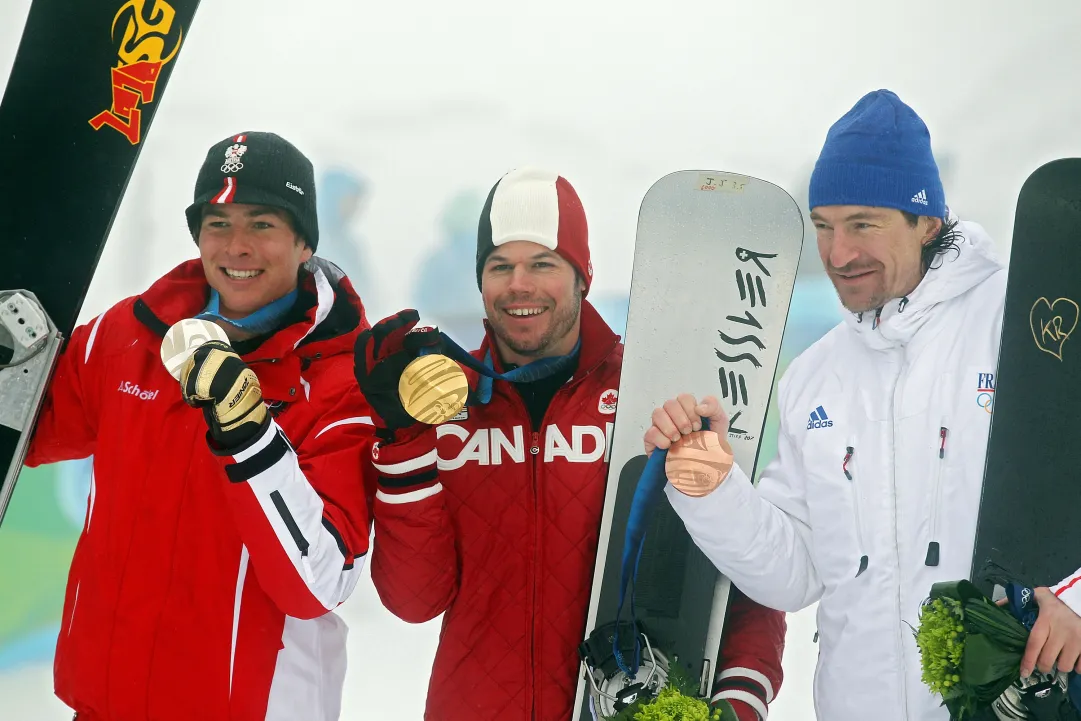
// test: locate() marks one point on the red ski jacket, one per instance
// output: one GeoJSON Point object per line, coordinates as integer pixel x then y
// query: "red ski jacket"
{"type": "Point", "coordinates": [503, 538]}
{"type": "Point", "coordinates": [201, 583]}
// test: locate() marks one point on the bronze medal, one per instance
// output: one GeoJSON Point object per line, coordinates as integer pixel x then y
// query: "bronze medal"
{"type": "Point", "coordinates": [698, 462]}
{"type": "Point", "coordinates": [433, 389]}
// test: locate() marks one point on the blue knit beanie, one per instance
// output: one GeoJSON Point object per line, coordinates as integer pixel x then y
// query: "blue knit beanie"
{"type": "Point", "coordinates": [879, 154]}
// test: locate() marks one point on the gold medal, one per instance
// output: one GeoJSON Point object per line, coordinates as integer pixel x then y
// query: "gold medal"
{"type": "Point", "coordinates": [698, 462]}
{"type": "Point", "coordinates": [433, 389]}
{"type": "Point", "coordinates": [182, 340]}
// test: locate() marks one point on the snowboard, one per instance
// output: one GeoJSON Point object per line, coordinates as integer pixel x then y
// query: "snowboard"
{"type": "Point", "coordinates": [714, 266]}
{"type": "Point", "coordinates": [86, 83]}
{"type": "Point", "coordinates": [1027, 527]}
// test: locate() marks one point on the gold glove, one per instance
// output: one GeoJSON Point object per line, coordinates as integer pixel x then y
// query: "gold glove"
{"type": "Point", "coordinates": [216, 379]}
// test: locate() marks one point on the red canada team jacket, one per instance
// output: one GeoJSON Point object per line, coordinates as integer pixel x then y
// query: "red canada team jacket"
{"type": "Point", "coordinates": [201, 583]}
{"type": "Point", "coordinates": [503, 539]}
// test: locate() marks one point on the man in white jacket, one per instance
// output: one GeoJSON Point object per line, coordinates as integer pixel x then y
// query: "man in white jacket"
{"type": "Point", "coordinates": [874, 492]}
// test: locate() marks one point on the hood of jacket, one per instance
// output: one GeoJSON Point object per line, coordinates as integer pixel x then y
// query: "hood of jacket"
{"type": "Point", "coordinates": [953, 273]}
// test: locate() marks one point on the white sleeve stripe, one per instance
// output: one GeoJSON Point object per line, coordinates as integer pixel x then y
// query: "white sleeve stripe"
{"type": "Point", "coordinates": [410, 497]}
{"type": "Point", "coordinates": [1074, 579]}
{"type": "Point", "coordinates": [90, 340]}
{"type": "Point", "coordinates": [756, 676]}
{"type": "Point", "coordinates": [1069, 591]}
{"type": "Point", "coordinates": [414, 464]}
{"type": "Point", "coordinates": [281, 530]}
{"type": "Point", "coordinates": [746, 697]}
{"type": "Point", "coordinates": [364, 420]}
{"type": "Point", "coordinates": [262, 442]}
{"type": "Point", "coordinates": [322, 570]}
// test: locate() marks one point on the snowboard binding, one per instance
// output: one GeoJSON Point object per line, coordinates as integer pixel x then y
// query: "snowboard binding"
{"type": "Point", "coordinates": [29, 347]}
{"type": "Point", "coordinates": [610, 689]}
{"type": "Point", "coordinates": [1040, 697]}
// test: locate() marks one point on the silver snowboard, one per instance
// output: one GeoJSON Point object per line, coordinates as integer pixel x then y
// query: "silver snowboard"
{"type": "Point", "coordinates": [714, 266]}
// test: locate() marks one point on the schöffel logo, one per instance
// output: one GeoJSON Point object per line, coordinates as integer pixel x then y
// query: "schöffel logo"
{"type": "Point", "coordinates": [147, 39]}
{"type": "Point", "coordinates": [134, 390]}
{"type": "Point", "coordinates": [819, 419]}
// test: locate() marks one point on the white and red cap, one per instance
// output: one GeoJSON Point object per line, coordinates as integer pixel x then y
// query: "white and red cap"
{"type": "Point", "coordinates": [539, 206]}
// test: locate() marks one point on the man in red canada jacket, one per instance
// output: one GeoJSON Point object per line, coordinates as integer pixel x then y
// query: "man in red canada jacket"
{"type": "Point", "coordinates": [218, 537]}
{"type": "Point", "coordinates": [493, 517]}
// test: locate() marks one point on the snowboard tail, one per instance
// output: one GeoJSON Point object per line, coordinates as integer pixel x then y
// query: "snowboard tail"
{"type": "Point", "coordinates": [714, 268]}
{"type": "Point", "coordinates": [1027, 529]}
{"type": "Point", "coordinates": [83, 92]}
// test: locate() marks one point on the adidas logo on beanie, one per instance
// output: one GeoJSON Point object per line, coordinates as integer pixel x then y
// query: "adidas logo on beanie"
{"type": "Point", "coordinates": [538, 206]}
{"type": "Point", "coordinates": [879, 154]}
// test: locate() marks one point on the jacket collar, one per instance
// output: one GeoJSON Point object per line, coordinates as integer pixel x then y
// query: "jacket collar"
{"type": "Point", "coordinates": [333, 317]}
{"type": "Point", "coordinates": [896, 323]}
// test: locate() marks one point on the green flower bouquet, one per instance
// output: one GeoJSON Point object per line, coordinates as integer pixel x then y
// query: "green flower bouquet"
{"type": "Point", "coordinates": [970, 648]}
{"type": "Point", "coordinates": [676, 701]}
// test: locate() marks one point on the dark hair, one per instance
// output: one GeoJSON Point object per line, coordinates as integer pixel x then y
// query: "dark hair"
{"type": "Point", "coordinates": [946, 239]}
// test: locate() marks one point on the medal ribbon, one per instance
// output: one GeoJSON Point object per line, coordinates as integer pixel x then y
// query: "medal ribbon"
{"type": "Point", "coordinates": [647, 494]}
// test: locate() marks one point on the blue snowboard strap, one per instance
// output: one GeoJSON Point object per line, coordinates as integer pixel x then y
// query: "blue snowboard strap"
{"type": "Point", "coordinates": [535, 371]}
{"type": "Point", "coordinates": [647, 494]}
{"type": "Point", "coordinates": [261, 321]}
{"type": "Point", "coordinates": [1023, 606]}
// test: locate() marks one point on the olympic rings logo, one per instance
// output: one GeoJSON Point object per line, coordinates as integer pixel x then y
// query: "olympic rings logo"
{"type": "Point", "coordinates": [986, 401]}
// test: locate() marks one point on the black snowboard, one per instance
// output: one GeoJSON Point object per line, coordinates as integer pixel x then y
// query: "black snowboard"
{"type": "Point", "coordinates": [1027, 529]}
{"type": "Point", "coordinates": [82, 94]}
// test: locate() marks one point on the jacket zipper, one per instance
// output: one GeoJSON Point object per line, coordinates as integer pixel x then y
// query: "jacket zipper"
{"type": "Point", "coordinates": [294, 531]}
{"type": "Point", "coordinates": [936, 498]}
{"type": "Point", "coordinates": [850, 452]}
{"type": "Point", "coordinates": [898, 385]}
{"type": "Point", "coordinates": [535, 451]}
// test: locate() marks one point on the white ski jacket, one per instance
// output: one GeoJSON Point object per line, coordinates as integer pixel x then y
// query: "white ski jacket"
{"type": "Point", "coordinates": [883, 435]}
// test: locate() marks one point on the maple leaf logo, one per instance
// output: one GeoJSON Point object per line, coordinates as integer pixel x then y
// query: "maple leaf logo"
{"type": "Point", "coordinates": [607, 404]}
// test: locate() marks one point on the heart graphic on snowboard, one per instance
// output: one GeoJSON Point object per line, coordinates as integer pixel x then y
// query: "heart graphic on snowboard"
{"type": "Point", "coordinates": [1052, 323]}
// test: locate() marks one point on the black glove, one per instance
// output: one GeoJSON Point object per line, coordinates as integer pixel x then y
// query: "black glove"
{"type": "Point", "coordinates": [215, 379]}
{"type": "Point", "coordinates": [379, 357]}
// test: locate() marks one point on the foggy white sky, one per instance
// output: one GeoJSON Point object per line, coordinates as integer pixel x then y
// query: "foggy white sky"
{"type": "Point", "coordinates": [427, 98]}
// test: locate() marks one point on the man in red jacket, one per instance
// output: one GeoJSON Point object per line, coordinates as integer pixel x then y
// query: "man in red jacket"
{"type": "Point", "coordinates": [493, 517]}
{"type": "Point", "coordinates": [218, 537]}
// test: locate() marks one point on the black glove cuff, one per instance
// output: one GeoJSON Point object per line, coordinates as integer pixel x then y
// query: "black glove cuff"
{"type": "Point", "coordinates": [236, 440]}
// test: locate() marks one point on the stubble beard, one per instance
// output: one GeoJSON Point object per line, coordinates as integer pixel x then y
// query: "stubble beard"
{"type": "Point", "coordinates": [561, 325]}
{"type": "Point", "coordinates": [859, 304]}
